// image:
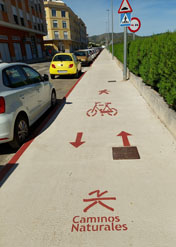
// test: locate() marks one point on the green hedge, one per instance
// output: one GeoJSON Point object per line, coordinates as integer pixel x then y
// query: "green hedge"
{"type": "Point", "coordinates": [154, 59]}
{"type": "Point", "coordinates": [118, 51]}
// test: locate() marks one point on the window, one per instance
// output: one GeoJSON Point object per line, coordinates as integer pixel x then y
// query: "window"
{"type": "Point", "coordinates": [63, 13]}
{"type": "Point", "coordinates": [56, 34]}
{"type": "Point", "coordinates": [22, 21]}
{"type": "Point", "coordinates": [80, 53]}
{"type": "Point", "coordinates": [65, 35]}
{"type": "Point", "coordinates": [36, 8]}
{"type": "Point", "coordinates": [53, 12]}
{"type": "Point", "coordinates": [21, 17]}
{"type": "Point", "coordinates": [55, 23]}
{"type": "Point", "coordinates": [42, 27]}
{"type": "Point", "coordinates": [5, 79]}
{"type": "Point", "coordinates": [75, 58]}
{"type": "Point", "coordinates": [15, 14]}
{"type": "Point", "coordinates": [40, 8]}
{"type": "Point", "coordinates": [2, 8]}
{"type": "Point", "coordinates": [16, 19]}
{"type": "Point", "coordinates": [62, 58]}
{"type": "Point", "coordinates": [64, 24]}
{"type": "Point", "coordinates": [14, 77]}
{"type": "Point", "coordinates": [28, 17]}
{"type": "Point", "coordinates": [32, 75]}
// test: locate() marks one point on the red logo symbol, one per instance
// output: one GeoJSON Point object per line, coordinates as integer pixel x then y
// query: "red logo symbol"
{"type": "Point", "coordinates": [103, 109]}
{"type": "Point", "coordinates": [98, 199]}
{"type": "Point", "coordinates": [105, 91]}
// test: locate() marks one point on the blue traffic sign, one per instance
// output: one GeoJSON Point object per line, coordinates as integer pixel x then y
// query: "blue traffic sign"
{"type": "Point", "coordinates": [125, 19]}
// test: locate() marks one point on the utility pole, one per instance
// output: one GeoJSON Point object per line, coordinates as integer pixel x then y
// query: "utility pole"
{"type": "Point", "coordinates": [112, 30]}
{"type": "Point", "coordinates": [125, 55]}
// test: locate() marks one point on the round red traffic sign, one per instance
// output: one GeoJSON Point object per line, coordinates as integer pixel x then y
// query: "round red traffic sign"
{"type": "Point", "coordinates": [135, 25]}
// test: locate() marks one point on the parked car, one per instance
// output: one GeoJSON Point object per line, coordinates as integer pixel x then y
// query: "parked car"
{"type": "Point", "coordinates": [64, 64]}
{"type": "Point", "coordinates": [83, 56]}
{"type": "Point", "coordinates": [24, 96]}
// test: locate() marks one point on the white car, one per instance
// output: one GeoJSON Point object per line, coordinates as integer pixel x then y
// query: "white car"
{"type": "Point", "coordinates": [24, 96]}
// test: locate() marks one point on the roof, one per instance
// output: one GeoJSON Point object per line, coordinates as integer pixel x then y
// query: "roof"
{"type": "Point", "coordinates": [5, 65]}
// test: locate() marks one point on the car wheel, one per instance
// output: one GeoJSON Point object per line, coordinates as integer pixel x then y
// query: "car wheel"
{"type": "Point", "coordinates": [21, 131]}
{"type": "Point", "coordinates": [52, 76]}
{"type": "Point", "coordinates": [53, 98]}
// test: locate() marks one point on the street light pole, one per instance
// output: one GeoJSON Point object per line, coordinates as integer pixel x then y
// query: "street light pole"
{"type": "Point", "coordinates": [112, 30]}
{"type": "Point", "coordinates": [108, 28]}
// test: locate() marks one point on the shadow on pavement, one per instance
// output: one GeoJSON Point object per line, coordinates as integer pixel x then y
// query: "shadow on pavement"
{"type": "Point", "coordinates": [6, 149]}
{"type": "Point", "coordinates": [47, 119]}
{"type": "Point", "coordinates": [6, 172]}
{"type": "Point", "coordinates": [40, 126]}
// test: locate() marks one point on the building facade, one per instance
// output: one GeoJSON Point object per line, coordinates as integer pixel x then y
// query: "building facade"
{"type": "Point", "coordinates": [22, 27]}
{"type": "Point", "coordinates": [66, 31]}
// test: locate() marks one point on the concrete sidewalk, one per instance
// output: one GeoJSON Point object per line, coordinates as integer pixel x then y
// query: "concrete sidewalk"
{"type": "Point", "coordinates": [102, 174]}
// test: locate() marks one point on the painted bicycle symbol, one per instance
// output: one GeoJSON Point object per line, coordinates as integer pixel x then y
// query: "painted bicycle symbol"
{"type": "Point", "coordinates": [103, 109]}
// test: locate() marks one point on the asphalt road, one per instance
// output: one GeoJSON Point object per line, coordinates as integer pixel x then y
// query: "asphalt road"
{"type": "Point", "coordinates": [62, 85]}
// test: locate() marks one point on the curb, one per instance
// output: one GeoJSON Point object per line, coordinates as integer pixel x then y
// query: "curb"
{"type": "Point", "coordinates": [154, 100]}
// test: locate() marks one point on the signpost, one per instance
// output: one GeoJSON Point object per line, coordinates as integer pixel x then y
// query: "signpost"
{"type": "Point", "coordinates": [135, 26]}
{"type": "Point", "coordinates": [125, 7]}
{"type": "Point", "coordinates": [125, 20]}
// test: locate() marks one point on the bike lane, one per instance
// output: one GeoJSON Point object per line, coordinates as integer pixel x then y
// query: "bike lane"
{"type": "Point", "coordinates": [102, 174]}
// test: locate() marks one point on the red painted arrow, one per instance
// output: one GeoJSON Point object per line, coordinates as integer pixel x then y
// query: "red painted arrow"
{"type": "Point", "coordinates": [124, 136]}
{"type": "Point", "coordinates": [78, 141]}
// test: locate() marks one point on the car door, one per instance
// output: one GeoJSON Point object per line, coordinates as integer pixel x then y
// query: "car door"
{"type": "Point", "coordinates": [35, 83]}
{"type": "Point", "coordinates": [77, 63]}
{"type": "Point", "coordinates": [21, 97]}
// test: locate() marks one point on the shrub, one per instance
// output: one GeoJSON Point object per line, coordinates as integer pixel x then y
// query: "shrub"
{"type": "Point", "coordinates": [154, 59]}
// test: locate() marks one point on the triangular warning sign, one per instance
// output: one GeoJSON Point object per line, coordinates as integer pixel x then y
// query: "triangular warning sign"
{"type": "Point", "coordinates": [125, 7]}
{"type": "Point", "coordinates": [125, 20]}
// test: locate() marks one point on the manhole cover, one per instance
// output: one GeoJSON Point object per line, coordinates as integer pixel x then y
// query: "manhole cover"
{"type": "Point", "coordinates": [125, 153]}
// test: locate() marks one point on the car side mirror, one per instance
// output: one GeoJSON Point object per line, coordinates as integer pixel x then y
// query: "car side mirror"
{"type": "Point", "coordinates": [46, 77]}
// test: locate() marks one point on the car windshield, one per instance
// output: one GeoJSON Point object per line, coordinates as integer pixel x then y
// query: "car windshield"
{"type": "Point", "coordinates": [62, 58]}
{"type": "Point", "coordinates": [80, 53]}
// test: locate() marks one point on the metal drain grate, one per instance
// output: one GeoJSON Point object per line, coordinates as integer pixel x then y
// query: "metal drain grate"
{"type": "Point", "coordinates": [112, 81]}
{"type": "Point", "coordinates": [125, 153]}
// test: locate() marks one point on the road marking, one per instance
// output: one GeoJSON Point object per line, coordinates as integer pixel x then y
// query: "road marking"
{"type": "Point", "coordinates": [124, 136]}
{"type": "Point", "coordinates": [104, 91]}
{"type": "Point", "coordinates": [99, 200]}
{"type": "Point", "coordinates": [100, 223]}
{"type": "Point", "coordinates": [78, 141]}
{"type": "Point", "coordinates": [102, 108]}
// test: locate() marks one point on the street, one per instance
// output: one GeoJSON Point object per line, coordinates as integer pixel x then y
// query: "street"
{"type": "Point", "coordinates": [62, 86]}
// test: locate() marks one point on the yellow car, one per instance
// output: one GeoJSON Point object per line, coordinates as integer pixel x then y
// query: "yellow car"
{"type": "Point", "coordinates": [64, 64]}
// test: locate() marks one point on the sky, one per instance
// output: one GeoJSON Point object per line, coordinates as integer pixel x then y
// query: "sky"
{"type": "Point", "coordinates": [156, 16]}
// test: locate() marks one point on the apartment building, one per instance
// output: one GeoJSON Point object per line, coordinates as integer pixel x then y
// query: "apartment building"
{"type": "Point", "coordinates": [66, 31]}
{"type": "Point", "coordinates": [22, 27]}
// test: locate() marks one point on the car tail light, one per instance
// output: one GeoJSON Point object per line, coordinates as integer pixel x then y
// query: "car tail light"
{"type": "Point", "coordinates": [70, 66]}
{"type": "Point", "coordinates": [53, 66]}
{"type": "Point", "coordinates": [2, 105]}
